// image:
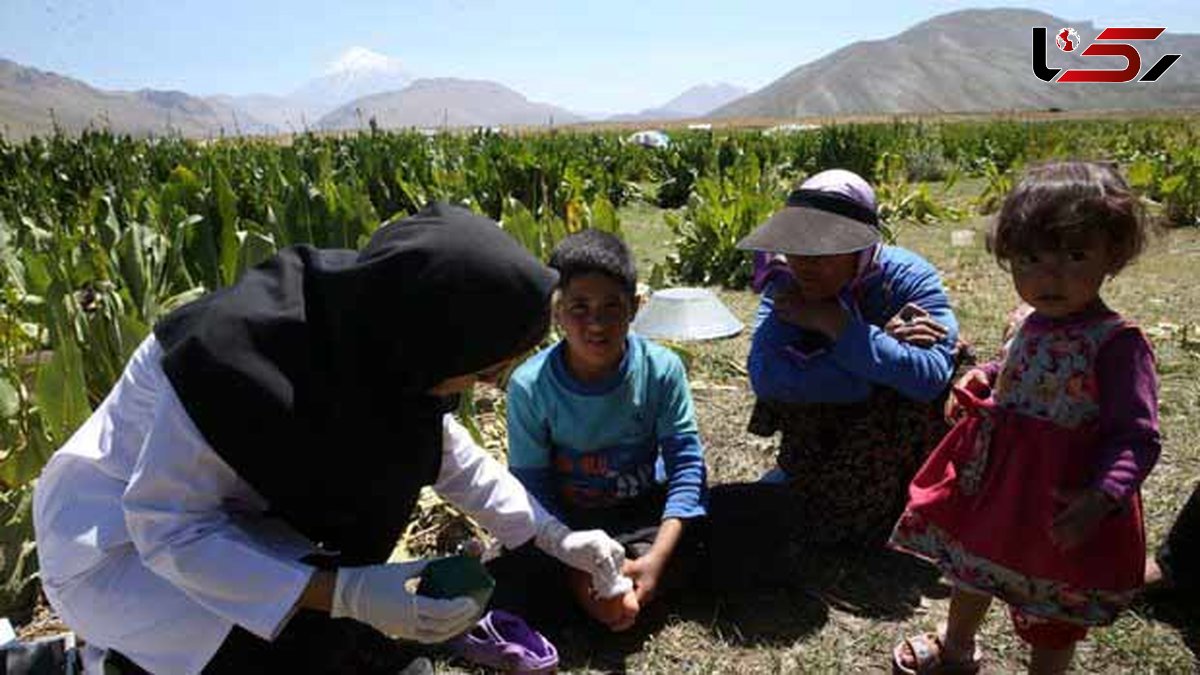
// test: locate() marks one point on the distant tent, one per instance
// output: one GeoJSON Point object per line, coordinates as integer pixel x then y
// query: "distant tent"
{"type": "Point", "coordinates": [650, 138]}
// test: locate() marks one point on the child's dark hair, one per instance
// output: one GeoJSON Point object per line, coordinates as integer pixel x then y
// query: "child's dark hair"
{"type": "Point", "coordinates": [1064, 204]}
{"type": "Point", "coordinates": [594, 250]}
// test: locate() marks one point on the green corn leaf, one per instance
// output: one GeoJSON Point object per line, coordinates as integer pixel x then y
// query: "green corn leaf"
{"type": "Point", "coordinates": [10, 399]}
{"type": "Point", "coordinates": [37, 273]}
{"type": "Point", "coordinates": [604, 216]}
{"type": "Point", "coordinates": [180, 299]}
{"type": "Point", "coordinates": [12, 271]}
{"type": "Point", "coordinates": [297, 217]}
{"type": "Point", "coordinates": [1141, 173]}
{"type": "Point", "coordinates": [131, 261]}
{"type": "Point", "coordinates": [1171, 184]}
{"type": "Point", "coordinates": [466, 415]}
{"type": "Point", "coordinates": [227, 227]}
{"type": "Point", "coordinates": [107, 226]}
{"type": "Point", "coordinates": [132, 332]}
{"type": "Point", "coordinates": [62, 391]}
{"type": "Point", "coordinates": [175, 270]}
{"type": "Point", "coordinates": [18, 554]}
{"type": "Point", "coordinates": [254, 247]}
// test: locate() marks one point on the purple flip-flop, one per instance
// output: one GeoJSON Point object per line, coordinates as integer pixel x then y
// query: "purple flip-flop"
{"type": "Point", "coordinates": [504, 641]}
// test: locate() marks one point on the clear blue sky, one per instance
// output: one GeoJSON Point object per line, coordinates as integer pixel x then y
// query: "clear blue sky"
{"type": "Point", "coordinates": [604, 56]}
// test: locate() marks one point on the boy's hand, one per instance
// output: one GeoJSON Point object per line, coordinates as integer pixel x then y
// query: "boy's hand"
{"type": "Point", "coordinates": [974, 381]}
{"type": "Point", "coordinates": [1083, 510]}
{"type": "Point", "coordinates": [645, 573]}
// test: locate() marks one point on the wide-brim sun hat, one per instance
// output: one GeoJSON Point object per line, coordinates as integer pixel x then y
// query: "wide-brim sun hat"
{"type": "Point", "coordinates": [831, 213]}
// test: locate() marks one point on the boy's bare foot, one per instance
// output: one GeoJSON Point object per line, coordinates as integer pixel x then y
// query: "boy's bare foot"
{"type": "Point", "coordinates": [618, 613]}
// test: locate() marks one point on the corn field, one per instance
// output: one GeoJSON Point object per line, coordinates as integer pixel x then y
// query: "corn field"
{"type": "Point", "coordinates": [101, 235]}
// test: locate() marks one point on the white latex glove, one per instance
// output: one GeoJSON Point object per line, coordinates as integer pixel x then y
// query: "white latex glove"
{"type": "Point", "coordinates": [591, 551]}
{"type": "Point", "coordinates": [377, 595]}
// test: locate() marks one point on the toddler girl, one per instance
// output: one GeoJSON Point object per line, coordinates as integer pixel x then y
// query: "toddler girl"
{"type": "Point", "coordinates": [1033, 497]}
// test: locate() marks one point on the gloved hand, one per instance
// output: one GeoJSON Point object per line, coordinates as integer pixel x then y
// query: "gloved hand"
{"type": "Point", "coordinates": [377, 595]}
{"type": "Point", "coordinates": [590, 551]}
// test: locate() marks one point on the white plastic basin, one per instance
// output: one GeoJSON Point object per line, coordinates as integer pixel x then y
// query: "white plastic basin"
{"type": "Point", "coordinates": [685, 314]}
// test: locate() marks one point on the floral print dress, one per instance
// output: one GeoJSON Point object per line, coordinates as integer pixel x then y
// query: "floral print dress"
{"type": "Point", "coordinates": [981, 507]}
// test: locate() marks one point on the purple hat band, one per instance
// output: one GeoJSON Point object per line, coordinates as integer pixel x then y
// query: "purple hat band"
{"type": "Point", "coordinates": [833, 202]}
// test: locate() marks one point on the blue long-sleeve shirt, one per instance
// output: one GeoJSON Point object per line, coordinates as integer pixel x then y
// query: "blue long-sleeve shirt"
{"type": "Point", "coordinates": [789, 363]}
{"type": "Point", "coordinates": [592, 445]}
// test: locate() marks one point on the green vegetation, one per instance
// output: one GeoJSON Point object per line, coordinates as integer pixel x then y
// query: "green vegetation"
{"type": "Point", "coordinates": [101, 235]}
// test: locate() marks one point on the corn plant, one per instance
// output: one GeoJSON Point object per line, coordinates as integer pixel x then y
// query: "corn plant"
{"type": "Point", "coordinates": [18, 560]}
{"type": "Point", "coordinates": [899, 200]}
{"type": "Point", "coordinates": [999, 183]}
{"type": "Point", "coordinates": [1171, 181]}
{"type": "Point", "coordinates": [720, 212]}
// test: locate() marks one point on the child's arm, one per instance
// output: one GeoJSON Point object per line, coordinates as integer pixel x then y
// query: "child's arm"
{"type": "Point", "coordinates": [1129, 445]}
{"type": "Point", "coordinates": [1130, 442]}
{"type": "Point", "coordinates": [683, 460]}
{"type": "Point", "coordinates": [529, 456]}
{"type": "Point", "coordinates": [679, 442]}
{"type": "Point", "coordinates": [647, 570]}
{"type": "Point", "coordinates": [979, 380]}
{"type": "Point", "coordinates": [990, 370]}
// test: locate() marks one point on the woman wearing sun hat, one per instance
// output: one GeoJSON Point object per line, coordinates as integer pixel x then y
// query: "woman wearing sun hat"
{"type": "Point", "coordinates": [854, 345]}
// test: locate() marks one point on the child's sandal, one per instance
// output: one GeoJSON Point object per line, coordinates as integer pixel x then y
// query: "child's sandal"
{"type": "Point", "coordinates": [927, 657]}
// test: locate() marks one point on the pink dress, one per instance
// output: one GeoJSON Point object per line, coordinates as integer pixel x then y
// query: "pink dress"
{"type": "Point", "coordinates": [981, 507]}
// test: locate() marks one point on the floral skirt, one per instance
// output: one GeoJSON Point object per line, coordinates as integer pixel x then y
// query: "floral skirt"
{"type": "Point", "coordinates": [849, 465]}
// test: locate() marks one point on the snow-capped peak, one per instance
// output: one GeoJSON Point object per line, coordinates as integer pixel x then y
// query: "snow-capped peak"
{"type": "Point", "coordinates": [362, 60]}
{"type": "Point", "coordinates": [356, 73]}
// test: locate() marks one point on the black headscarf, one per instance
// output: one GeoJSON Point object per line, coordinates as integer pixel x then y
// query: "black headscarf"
{"type": "Point", "coordinates": [310, 375]}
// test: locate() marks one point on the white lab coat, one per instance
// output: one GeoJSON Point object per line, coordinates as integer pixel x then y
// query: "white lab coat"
{"type": "Point", "coordinates": [150, 544]}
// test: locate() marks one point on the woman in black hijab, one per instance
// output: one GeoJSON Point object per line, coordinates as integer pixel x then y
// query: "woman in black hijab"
{"type": "Point", "coordinates": [232, 503]}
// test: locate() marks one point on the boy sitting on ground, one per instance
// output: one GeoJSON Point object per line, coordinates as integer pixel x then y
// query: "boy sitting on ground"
{"type": "Point", "coordinates": [602, 432]}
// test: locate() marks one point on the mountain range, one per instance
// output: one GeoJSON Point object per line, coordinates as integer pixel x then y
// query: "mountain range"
{"type": "Point", "coordinates": [33, 102]}
{"type": "Point", "coordinates": [446, 102]}
{"type": "Point", "coordinates": [964, 61]}
{"type": "Point", "coordinates": [968, 61]}
{"type": "Point", "coordinates": [693, 103]}
{"type": "Point", "coordinates": [357, 73]}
